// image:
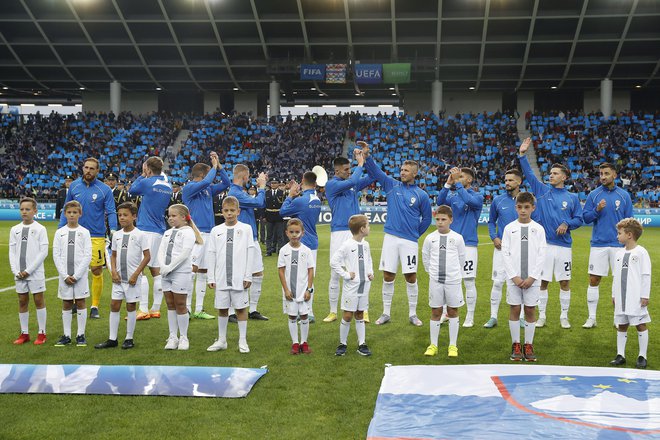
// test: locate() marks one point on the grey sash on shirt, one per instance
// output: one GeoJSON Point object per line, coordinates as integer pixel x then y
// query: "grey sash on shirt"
{"type": "Point", "coordinates": [229, 262]}
{"type": "Point", "coordinates": [524, 252]}
{"type": "Point", "coordinates": [170, 246]}
{"type": "Point", "coordinates": [294, 273]}
{"type": "Point", "coordinates": [70, 254]}
{"type": "Point", "coordinates": [22, 263]}
{"type": "Point", "coordinates": [442, 259]}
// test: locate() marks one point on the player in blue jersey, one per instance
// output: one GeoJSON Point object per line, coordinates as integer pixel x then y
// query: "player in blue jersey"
{"type": "Point", "coordinates": [466, 204]}
{"type": "Point", "coordinates": [198, 197]}
{"type": "Point", "coordinates": [502, 212]}
{"type": "Point", "coordinates": [247, 206]}
{"type": "Point", "coordinates": [559, 212]}
{"type": "Point", "coordinates": [408, 217]}
{"type": "Point", "coordinates": [606, 206]}
{"type": "Point", "coordinates": [304, 204]}
{"type": "Point", "coordinates": [97, 203]}
{"type": "Point", "coordinates": [342, 193]}
{"type": "Point", "coordinates": [156, 193]}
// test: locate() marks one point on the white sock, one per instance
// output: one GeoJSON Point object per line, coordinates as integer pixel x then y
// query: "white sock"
{"type": "Point", "coordinates": [333, 291]}
{"type": "Point", "coordinates": [360, 330]}
{"type": "Point", "coordinates": [530, 327]}
{"type": "Point", "coordinates": [344, 327]}
{"type": "Point", "coordinates": [514, 329]}
{"type": "Point", "coordinates": [130, 324]}
{"type": "Point", "coordinates": [190, 294]}
{"type": "Point", "coordinates": [304, 330]}
{"type": "Point", "coordinates": [232, 311]}
{"type": "Point", "coordinates": [200, 291]}
{"type": "Point", "coordinates": [310, 303]}
{"type": "Point", "coordinates": [435, 332]}
{"type": "Point", "coordinates": [565, 303]}
{"type": "Point", "coordinates": [67, 317]}
{"type": "Point", "coordinates": [495, 298]}
{"type": "Point", "coordinates": [255, 292]}
{"type": "Point", "coordinates": [114, 325]}
{"type": "Point", "coordinates": [182, 322]}
{"type": "Point", "coordinates": [621, 339]}
{"type": "Point", "coordinates": [643, 342]}
{"type": "Point", "coordinates": [171, 322]}
{"type": "Point", "coordinates": [82, 321]}
{"type": "Point", "coordinates": [293, 331]}
{"type": "Point", "coordinates": [470, 297]}
{"type": "Point", "coordinates": [222, 327]}
{"type": "Point", "coordinates": [453, 330]}
{"type": "Point", "coordinates": [592, 300]}
{"type": "Point", "coordinates": [157, 293]}
{"type": "Point", "coordinates": [144, 295]}
{"type": "Point", "coordinates": [412, 289]}
{"type": "Point", "coordinates": [543, 303]}
{"type": "Point", "coordinates": [388, 293]}
{"type": "Point", "coordinates": [242, 330]}
{"type": "Point", "coordinates": [24, 319]}
{"type": "Point", "coordinates": [41, 319]}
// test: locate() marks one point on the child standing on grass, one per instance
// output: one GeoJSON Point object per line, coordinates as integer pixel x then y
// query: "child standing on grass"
{"type": "Point", "coordinates": [295, 265]}
{"type": "Point", "coordinates": [28, 248]}
{"type": "Point", "coordinates": [523, 251]}
{"type": "Point", "coordinates": [631, 288]}
{"type": "Point", "coordinates": [230, 272]}
{"type": "Point", "coordinates": [130, 255]}
{"type": "Point", "coordinates": [72, 253]}
{"type": "Point", "coordinates": [353, 263]}
{"type": "Point", "coordinates": [174, 258]}
{"type": "Point", "coordinates": [443, 256]}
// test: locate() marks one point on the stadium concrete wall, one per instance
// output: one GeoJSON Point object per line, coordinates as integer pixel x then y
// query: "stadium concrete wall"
{"type": "Point", "coordinates": [211, 102]}
{"type": "Point", "coordinates": [620, 100]}
{"type": "Point", "coordinates": [136, 102]}
{"type": "Point", "coordinates": [245, 102]}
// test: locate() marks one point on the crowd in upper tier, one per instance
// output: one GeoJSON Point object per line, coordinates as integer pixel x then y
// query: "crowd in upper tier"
{"type": "Point", "coordinates": [39, 151]}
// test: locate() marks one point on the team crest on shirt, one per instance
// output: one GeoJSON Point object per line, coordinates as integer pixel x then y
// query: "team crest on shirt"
{"type": "Point", "coordinates": [591, 267]}
{"type": "Point", "coordinates": [412, 201]}
{"type": "Point", "coordinates": [294, 262]}
{"type": "Point", "coordinates": [124, 245]}
{"type": "Point", "coordinates": [564, 205]}
{"type": "Point", "coordinates": [617, 204]}
{"type": "Point", "coordinates": [25, 238]}
{"type": "Point", "coordinates": [94, 196]}
{"type": "Point", "coordinates": [634, 258]}
{"type": "Point", "coordinates": [624, 265]}
{"type": "Point", "coordinates": [451, 241]}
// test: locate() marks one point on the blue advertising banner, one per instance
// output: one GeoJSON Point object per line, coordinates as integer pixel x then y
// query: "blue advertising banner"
{"type": "Point", "coordinates": [368, 73]}
{"type": "Point", "coordinates": [129, 380]}
{"type": "Point", "coordinates": [312, 72]}
{"type": "Point", "coordinates": [649, 217]}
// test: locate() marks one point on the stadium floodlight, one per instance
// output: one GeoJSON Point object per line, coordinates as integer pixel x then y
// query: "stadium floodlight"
{"type": "Point", "coordinates": [313, 88]}
{"type": "Point", "coordinates": [235, 89]}
{"type": "Point", "coordinates": [159, 88]}
{"type": "Point", "coordinates": [472, 87]}
{"type": "Point", "coordinates": [637, 86]}
{"type": "Point", "coordinates": [553, 87]}
{"type": "Point", "coordinates": [392, 88]}
{"type": "Point", "coordinates": [393, 94]}
{"type": "Point", "coordinates": [5, 88]}
{"type": "Point", "coordinates": [81, 88]}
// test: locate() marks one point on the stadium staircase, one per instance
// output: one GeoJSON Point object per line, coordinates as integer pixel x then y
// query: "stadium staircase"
{"type": "Point", "coordinates": [524, 133]}
{"type": "Point", "coordinates": [178, 143]}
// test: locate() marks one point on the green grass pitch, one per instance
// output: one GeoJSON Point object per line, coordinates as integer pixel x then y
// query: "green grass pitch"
{"type": "Point", "coordinates": [315, 396]}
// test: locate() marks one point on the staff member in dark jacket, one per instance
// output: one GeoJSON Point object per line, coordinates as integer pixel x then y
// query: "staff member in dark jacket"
{"type": "Point", "coordinates": [61, 196]}
{"type": "Point", "coordinates": [275, 225]}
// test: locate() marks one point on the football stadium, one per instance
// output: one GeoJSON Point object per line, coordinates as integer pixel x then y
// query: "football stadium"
{"type": "Point", "coordinates": [381, 219]}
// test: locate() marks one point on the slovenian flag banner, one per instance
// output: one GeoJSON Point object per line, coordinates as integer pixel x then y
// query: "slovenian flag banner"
{"type": "Point", "coordinates": [516, 401]}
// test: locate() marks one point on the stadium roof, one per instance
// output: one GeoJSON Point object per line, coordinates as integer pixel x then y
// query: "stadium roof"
{"type": "Point", "coordinates": [61, 46]}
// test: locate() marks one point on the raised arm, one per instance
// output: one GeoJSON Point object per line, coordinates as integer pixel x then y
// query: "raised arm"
{"type": "Point", "coordinates": [292, 206]}
{"type": "Point", "coordinates": [191, 188]}
{"type": "Point", "coordinates": [379, 175]}
{"type": "Point", "coordinates": [538, 187]}
{"type": "Point", "coordinates": [217, 188]}
{"type": "Point", "coordinates": [474, 201]}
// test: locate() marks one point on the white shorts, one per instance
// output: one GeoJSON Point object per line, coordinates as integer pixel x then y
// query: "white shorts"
{"type": "Point", "coordinates": [31, 286]}
{"type": "Point", "coordinates": [256, 258]}
{"type": "Point", "coordinates": [237, 299]}
{"type": "Point", "coordinates": [632, 320]}
{"type": "Point", "coordinates": [499, 274]}
{"type": "Point", "coordinates": [558, 261]}
{"type": "Point", "coordinates": [153, 239]}
{"type": "Point", "coordinates": [601, 260]}
{"type": "Point", "coordinates": [445, 294]}
{"type": "Point", "coordinates": [471, 260]}
{"type": "Point", "coordinates": [79, 290]}
{"type": "Point", "coordinates": [353, 303]}
{"type": "Point", "coordinates": [398, 250]}
{"type": "Point", "coordinates": [180, 283]}
{"type": "Point", "coordinates": [516, 296]}
{"type": "Point", "coordinates": [199, 252]}
{"type": "Point", "coordinates": [338, 238]}
{"type": "Point", "coordinates": [295, 308]}
{"type": "Point", "coordinates": [125, 291]}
